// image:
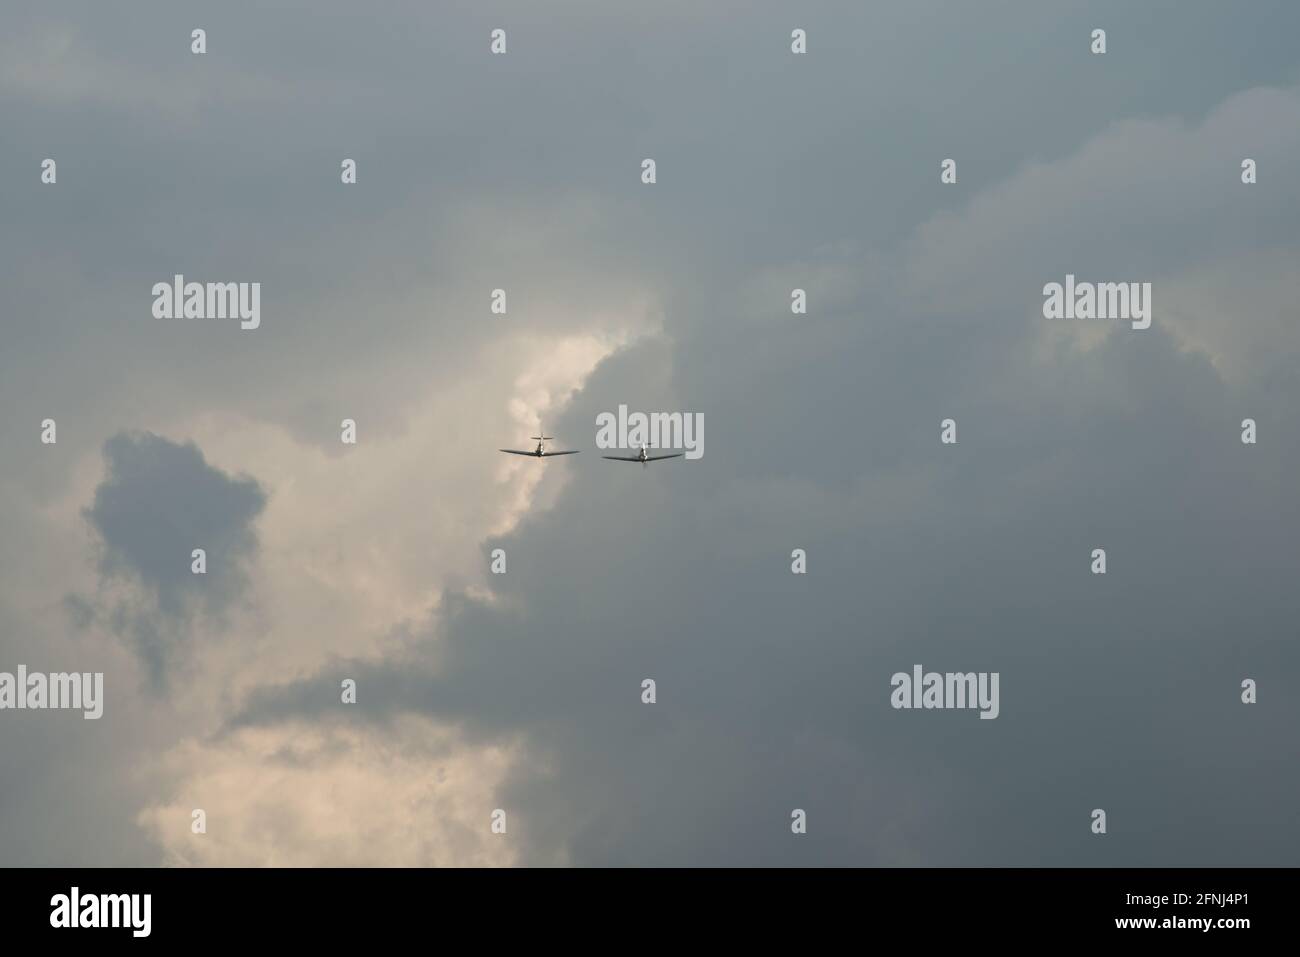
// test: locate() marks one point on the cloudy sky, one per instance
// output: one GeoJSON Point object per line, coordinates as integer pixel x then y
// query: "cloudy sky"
{"type": "Point", "coordinates": [522, 691]}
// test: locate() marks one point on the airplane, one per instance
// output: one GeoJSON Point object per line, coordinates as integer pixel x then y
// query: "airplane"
{"type": "Point", "coordinates": [540, 452]}
{"type": "Point", "coordinates": [641, 457]}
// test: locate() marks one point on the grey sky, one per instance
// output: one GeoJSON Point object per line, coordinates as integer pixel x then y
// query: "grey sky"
{"type": "Point", "coordinates": [522, 691]}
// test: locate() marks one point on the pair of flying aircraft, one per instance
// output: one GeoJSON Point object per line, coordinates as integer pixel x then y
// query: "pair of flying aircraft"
{"type": "Point", "coordinates": [541, 453]}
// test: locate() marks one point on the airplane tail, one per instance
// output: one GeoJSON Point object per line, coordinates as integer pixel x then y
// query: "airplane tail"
{"type": "Point", "coordinates": [543, 438]}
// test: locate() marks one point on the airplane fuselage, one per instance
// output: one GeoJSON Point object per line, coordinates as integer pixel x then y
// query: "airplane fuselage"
{"type": "Point", "coordinates": [539, 452]}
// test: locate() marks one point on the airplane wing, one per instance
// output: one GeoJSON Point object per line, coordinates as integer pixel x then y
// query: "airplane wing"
{"type": "Point", "coordinates": [517, 452]}
{"type": "Point", "coordinates": [656, 458]}
{"type": "Point", "coordinates": [622, 458]}
{"type": "Point", "coordinates": [570, 452]}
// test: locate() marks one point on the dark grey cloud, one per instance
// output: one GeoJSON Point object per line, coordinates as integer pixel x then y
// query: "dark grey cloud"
{"type": "Point", "coordinates": [1119, 692]}
{"type": "Point", "coordinates": [159, 501]}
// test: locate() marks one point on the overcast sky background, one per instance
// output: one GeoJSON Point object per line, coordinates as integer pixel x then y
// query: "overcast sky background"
{"type": "Point", "coordinates": [522, 691]}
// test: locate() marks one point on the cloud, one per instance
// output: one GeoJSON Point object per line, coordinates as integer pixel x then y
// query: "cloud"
{"type": "Point", "coordinates": [773, 688]}
{"type": "Point", "coordinates": [326, 794]}
{"type": "Point", "coordinates": [159, 501]}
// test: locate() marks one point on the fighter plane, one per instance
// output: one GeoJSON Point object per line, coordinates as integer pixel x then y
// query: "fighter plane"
{"type": "Point", "coordinates": [641, 457]}
{"type": "Point", "coordinates": [540, 452]}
